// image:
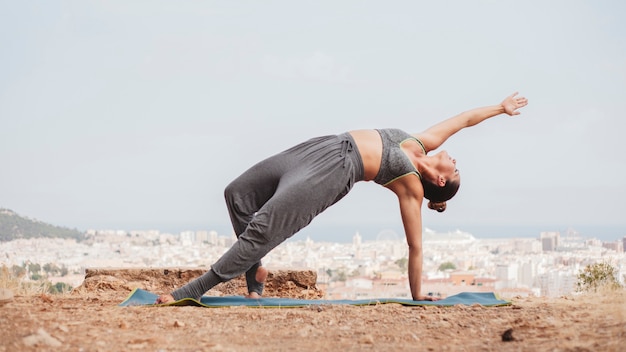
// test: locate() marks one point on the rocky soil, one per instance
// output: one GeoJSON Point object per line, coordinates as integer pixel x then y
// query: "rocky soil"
{"type": "Point", "coordinates": [88, 319]}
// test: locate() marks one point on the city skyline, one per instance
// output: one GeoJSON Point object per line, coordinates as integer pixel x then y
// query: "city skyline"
{"type": "Point", "coordinates": [138, 114]}
{"type": "Point", "coordinates": [453, 262]}
{"type": "Point", "coordinates": [342, 233]}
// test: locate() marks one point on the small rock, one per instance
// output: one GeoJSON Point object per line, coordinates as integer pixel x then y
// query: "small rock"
{"type": "Point", "coordinates": [6, 296]}
{"type": "Point", "coordinates": [179, 324]}
{"type": "Point", "coordinates": [123, 324]}
{"type": "Point", "coordinates": [508, 336]}
{"type": "Point", "coordinates": [41, 338]}
{"type": "Point", "coordinates": [368, 339]}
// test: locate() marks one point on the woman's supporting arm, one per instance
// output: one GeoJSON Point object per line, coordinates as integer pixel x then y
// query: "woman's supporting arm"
{"type": "Point", "coordinates": [410, 200]}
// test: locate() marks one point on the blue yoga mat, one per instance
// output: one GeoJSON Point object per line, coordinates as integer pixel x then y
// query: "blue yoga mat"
{"type": "Point", "coordinates": [141, 297]}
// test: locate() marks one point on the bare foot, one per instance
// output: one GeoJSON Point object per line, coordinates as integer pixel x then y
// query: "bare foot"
{"type": "Point", "coordinates": [260, 276]}
{"type": "Point", "coordinates": [253, 295]}
{"type": "Point", "coordinates": [165, 299]}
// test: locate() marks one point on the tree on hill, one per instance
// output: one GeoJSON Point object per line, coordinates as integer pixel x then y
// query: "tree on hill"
{"type": "Point", "coordinates": [403, 264]}
{"type": "Point", "coordinates": [446, 266]}
{"type": "Point", "coordinates": [34, 268]}
{"type": "Point", "coordinates": [14, 226]}
{"type": "Point", "coordinates": [598, 276]}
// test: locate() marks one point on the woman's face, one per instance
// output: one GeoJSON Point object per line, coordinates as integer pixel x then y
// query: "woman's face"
{"type": "Point", "coordinates": [447, 166]}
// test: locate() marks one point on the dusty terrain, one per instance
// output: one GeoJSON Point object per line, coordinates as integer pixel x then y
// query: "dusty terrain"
{"type": "Point", "coordinates": [89, 319]}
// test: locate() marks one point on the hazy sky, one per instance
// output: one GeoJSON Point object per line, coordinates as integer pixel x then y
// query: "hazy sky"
{"type": "Point", "coordinates": [137, 114]}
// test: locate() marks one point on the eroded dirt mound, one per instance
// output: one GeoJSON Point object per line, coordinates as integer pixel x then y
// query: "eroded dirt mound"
{"type": "Point", "coordinates": [280, 283]}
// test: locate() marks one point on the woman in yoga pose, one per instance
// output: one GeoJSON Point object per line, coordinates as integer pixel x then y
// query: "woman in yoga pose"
{"type": "Point", "coordinates": [280, 195]}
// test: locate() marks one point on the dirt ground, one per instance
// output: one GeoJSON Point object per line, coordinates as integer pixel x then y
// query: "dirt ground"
{"type": "Point", "coordinates": [91, 321]}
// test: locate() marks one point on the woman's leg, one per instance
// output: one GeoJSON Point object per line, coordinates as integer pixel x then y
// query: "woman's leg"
{"type": "Point", "coordinates": [289, 210]}
{"type": "Point", "coordinates": [302, 183]}
{"type": "Point", "coordinates": [302, 193]}
{"type": "Point", "coordinates": [244, 197]}
{"type": "Point", "coordinates": [273, 223]}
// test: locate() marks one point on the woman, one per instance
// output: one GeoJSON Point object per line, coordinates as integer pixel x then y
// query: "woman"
{"type": "Point", "coordinates": [280, 195]}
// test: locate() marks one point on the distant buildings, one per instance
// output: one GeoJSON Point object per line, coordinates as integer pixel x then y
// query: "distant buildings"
{"type": "Point", "coordinates": [617, 246]}
{"type": "Point", "coordinates": [546, 266]}
{"type": "Point", "coordinates": [549, 241]}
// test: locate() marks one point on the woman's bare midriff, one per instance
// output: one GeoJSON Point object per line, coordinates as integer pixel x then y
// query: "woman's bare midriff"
{"type": "Point", "coordinates": [370, 147]}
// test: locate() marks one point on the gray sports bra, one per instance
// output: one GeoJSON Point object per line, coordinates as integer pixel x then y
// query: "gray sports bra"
{"type": "Point", "coordinates": [395, 163]}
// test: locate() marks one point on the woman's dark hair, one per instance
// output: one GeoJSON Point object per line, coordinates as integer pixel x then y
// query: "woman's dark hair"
{"type": "Point", "coordinates": [438, 196]}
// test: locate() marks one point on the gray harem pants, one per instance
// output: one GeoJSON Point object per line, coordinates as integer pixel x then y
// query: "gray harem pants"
{"type": "Point", "coordinates": [276, 198]}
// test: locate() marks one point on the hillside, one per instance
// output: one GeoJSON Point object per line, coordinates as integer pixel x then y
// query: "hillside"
{"type": "Point", "coordinates": [14, 226]}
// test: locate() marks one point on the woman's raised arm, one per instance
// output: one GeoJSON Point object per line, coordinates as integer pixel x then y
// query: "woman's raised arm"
{"type": "Point", "coordinates": [434, 136]}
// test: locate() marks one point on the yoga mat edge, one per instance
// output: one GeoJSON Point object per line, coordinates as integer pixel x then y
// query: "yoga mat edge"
{"type": "Point", "coordinates": [140, 297]}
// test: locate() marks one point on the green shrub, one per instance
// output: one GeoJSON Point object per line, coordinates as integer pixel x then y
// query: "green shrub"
{"type": "Point", "coordinates": [37, 284]}
{"type": "Point", "coordinates": [59, 287]}
{"type": "Point", "coordinates": [598, 276]}
{"type": "Point", "coordinates": [446, 266]}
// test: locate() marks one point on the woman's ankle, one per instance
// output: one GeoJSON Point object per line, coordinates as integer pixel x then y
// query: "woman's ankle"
{"type": "Point", "coordinates": [261, 274]}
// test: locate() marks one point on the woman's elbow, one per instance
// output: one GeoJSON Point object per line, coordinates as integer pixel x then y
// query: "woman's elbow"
{"type": "Point", "coordinates": [415, 247]}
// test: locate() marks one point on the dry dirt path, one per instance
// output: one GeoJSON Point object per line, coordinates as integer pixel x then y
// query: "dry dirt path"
{"type": "Point", "coordinates": [92, 321]}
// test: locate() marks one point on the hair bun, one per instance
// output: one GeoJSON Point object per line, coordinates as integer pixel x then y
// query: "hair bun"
{"type": "Point", "coordinates": [438, 206]}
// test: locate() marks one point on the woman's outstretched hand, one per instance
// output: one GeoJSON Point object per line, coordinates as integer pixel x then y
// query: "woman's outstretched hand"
{"type": "Point", "coordinates": [512, 103]}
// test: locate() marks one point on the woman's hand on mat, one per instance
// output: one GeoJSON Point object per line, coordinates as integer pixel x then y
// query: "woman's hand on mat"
{"type": "Point", "coordinates": [164, 299]}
